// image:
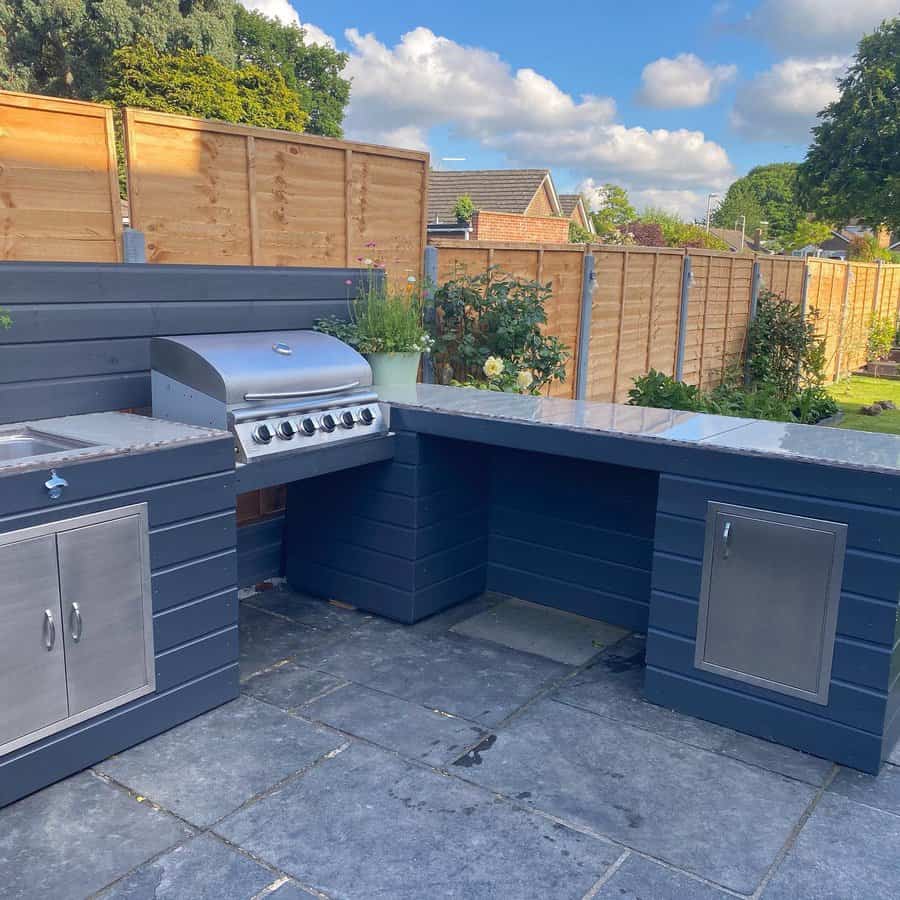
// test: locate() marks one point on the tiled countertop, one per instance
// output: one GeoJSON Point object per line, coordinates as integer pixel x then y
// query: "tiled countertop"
{"type": "Point", "coordinates": [105, 434]}
{"type": "Point", "coordinates": [828, 446]}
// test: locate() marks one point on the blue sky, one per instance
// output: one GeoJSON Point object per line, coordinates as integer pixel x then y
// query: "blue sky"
{"type": "Point", "coordinates": [672, 101]}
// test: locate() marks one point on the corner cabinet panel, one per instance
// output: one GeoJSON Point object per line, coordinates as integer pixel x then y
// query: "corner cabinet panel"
{"type": "Point", "coordinates": [769, 599]}
{"type": "Point", "coordinates": [104, 590]}
{"type": "Point", "coordinates": [32, 663]}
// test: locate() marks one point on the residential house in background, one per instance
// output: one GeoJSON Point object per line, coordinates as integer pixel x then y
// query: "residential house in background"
{"type": "Point", "coordinates": [838, 245]}
{"type": "Point", "coordinates": [738, 241]}
{"type": "Point", "coordinates": [573, 208]}
{"type": "Point", "coordinates": [511, 205]}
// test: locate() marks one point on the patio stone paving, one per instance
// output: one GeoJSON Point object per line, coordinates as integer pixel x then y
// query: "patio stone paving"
{"type": "Point", "coordinates": [367, 760]}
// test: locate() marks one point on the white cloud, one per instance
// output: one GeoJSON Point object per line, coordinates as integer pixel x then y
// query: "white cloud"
{"type": "Point", "coordinates": [682, 82]}
{"type": "Point", "coordinates": [685, 203]}
{"type": "Point", "coordinates": [426, 80]}
{"type": "Point", "coordinates": [781, 103]}
{"type": "Point", "coordinates": [817, 27]}
{"type": "Point", "coordinates": [283, 11]}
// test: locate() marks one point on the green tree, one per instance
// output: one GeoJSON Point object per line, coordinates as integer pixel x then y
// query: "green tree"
{"type": "Point", "coordinates": [678, 233]}
{"type": "Point", "coordinates": [63, 47]}
{"type": "Point", "coordinates": [613, 210]}
{"type": "Point", "coordinates": [198, 85]}
{"type": "Point", "coordinates": [765, 194]}
{"type": "Point", "coordinates": [807, 232]}
{"type": "Point", "coordinates": [314, 71]}
{"type": "Point", "coordinates": [852, 168]}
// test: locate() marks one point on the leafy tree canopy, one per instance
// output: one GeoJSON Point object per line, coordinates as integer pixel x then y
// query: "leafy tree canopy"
{"type": "Point", "coordinates": [765, 194]}
{"type": "Point", "coordinates": [313, 70]}
{"type": "Point", "coordinates": [852, 168]}
{"type": "Point", "coordinates": [613, 211]}
{"type": "Point", "coordinates": [63, 47]}
{"type": "Point", "coordinates": [199, 85]}
{"type": "Point", "coordinates": [807, 232]}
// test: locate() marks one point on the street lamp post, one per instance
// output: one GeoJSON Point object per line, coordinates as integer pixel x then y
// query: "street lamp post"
{"type": "Point", "coordinates": [743, 220]}
{"type": "Point", "coordinates": [709, 200]}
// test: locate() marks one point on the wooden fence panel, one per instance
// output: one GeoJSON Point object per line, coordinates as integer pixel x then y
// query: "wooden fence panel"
{"type": "Point", "coordinates": [210, 192]}
{"type": "Point", "coordinates": [59, 188]}
{"type": "Point", "coordinates": [783, 275]}
{"type": "Point", "coordinates": [825, 299]}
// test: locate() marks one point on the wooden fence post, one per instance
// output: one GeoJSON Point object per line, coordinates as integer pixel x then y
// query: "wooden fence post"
{"type": "Point", "coordinates": [876, 306]}
{"type": "Point", "coordinates": [686, 279]}
{"type": "Point", "coordinates": [431, 275]}
{"type": "Point", "coordinates": [842, 323]}
{"type": "Point", "coordinates": [586, 310]}
{"type": "Point", "coordinates": [755, 284]}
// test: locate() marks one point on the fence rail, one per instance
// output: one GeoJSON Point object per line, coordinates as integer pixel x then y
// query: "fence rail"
{"type": "Point", "coordinates": [682, 312]}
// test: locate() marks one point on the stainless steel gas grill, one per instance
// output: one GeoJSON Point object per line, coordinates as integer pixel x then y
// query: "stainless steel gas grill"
{"type": "Point", "coordinates": [278, 392]}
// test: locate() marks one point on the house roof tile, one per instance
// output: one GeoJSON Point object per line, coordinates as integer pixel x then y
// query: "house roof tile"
{"type": "Point", "coordinates": [494, 190]}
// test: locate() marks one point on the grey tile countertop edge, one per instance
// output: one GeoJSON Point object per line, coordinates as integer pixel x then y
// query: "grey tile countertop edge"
{"type": "Point", "coordinates": [71, 427]}
{"type": "Point", "coordinates": [725, 441]}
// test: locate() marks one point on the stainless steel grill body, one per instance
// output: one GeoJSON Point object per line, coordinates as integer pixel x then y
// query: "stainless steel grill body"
{"type": "Point", "coordinates": [276, 391]}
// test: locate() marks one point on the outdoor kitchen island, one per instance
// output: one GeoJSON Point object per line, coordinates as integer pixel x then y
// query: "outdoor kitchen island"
{"type": "Point", "coordinates": [777, 544]}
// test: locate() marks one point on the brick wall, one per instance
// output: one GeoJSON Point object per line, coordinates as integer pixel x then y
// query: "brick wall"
{"type": "Point", "coordinates": [541, 204]}
{"type": "Point", "coordinates": [492, 226]}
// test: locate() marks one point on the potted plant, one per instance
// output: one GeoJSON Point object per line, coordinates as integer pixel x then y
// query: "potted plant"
{"type": "Point", "coordinates": [386, 325]}
{"type": "Point", "coordinates": [464, 209]}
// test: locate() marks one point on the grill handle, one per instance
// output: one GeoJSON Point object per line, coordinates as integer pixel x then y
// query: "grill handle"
{"type": "Point", "coordinates": [286, 395]}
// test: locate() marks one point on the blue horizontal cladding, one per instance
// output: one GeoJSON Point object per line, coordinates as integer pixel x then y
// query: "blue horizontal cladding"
{"type": "Point", "coordinates": [612, 497]}
{"type": "Point", "coordinates": [873, 575]}
{"type": "Point", "coordinates": [194, 619]}
{"type": "Point", "coordinates": [851, 704]}
{"type": "Point", "coordinates": [702, 461]}
{"type": "Point", "coordinates": [260, 551]}
{"type": "Point", "coordinates": [173, 544]}
{"type": "Point", "coordinates": [627, 612]}
{"type": "Point", "coordinates": [69, 752]}
{"type": "Point", "coordinates": [833, 740]}
{"type": "Point", "coordinates": [196, 578]}
{"type": "Point", "coordinates": [196, 657]}
{"type": "Point", "coordinates": [862, 618]}
{"type": "Point", "coordinates": [574, 537]}
{"type": "Point", "coordinates": [873, 528]}
{"type": "Point", "coordinates": [588, 571]}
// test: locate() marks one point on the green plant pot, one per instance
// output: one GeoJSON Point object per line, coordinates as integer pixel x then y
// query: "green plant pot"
{"type": "Point", "coordinates": [394, 368]}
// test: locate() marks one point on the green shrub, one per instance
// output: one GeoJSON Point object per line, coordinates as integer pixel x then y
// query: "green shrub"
{"type": "Point", "coordinates": [501, 316]}
{"type": "Point", "coordinates": [664, 392]}
{"type": "Point", "coordinates": [464, 208]}
{"type": "Point", "coordinates": [881, 338]}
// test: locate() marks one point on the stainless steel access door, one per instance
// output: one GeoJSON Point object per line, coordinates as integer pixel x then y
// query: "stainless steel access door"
{"type": "Point", "coordinates": [106, 610]}
{"type": "Point", "coordinates": [769, 599]}
{"type": "Point", "coordinates": [32, 665]}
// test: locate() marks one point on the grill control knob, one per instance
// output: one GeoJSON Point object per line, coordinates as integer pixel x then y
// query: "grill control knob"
{"type": "Point", "coordinates": [286, 430]}
{"type": "Point", "coordinates": [308, 427]}
{"type": "Point", "coordinates": [328, 423]}
{"type": "Point", "coordinates": [347, 419]}
{"type": "Point", "coordinates": [365, 416]}
{"type": "Point", "coordinates": [262, 434]}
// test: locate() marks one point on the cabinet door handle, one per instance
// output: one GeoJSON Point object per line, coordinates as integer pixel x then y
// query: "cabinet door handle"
{"type": "Point", "coordinates": [726, 540]}
{"type": "Point", "coordinates": [76, 624]}
{"type": "Point", "coordinates": [49, 630]}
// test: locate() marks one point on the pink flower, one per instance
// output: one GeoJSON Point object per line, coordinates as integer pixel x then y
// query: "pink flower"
{"type": "Point", "coordinates": [371, 244]}
{"type": "Point", "coordinates": [348, 281]}
{"type": "Point", "coordinates": [359, 259]}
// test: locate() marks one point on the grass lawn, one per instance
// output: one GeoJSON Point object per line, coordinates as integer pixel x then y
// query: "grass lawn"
{"type": "Point", "coordinates": [863, 390]}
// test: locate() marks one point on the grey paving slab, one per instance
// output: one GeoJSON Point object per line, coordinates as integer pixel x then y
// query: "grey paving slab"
{"type": "Point", "coordinates": [845, 851]}
{"type": "Point", "coordinates": [440, 623]}
{"type": "Point", "coordinates": [473, 679]}
{"type": "Point", "coordinates": [639, 878]}
{"type": "Point", "coordinates": [410, 729]}
{"type": "Point", "coordinates": [306, 610]}
{"type": "Point", "coordinates": [209, 766]}
{"type": "Point", "coordinates": [267, 640]}
{"type": "Point", "coordinates": [894, 757]}
{"type": "Point", "coordinates": [613, 687]}
{"type": "Point", "coordinates": [384, 828]}
{"type": "Point", "coordinates": [684, 805]}
{"type": "Point", "coordinates": [290, 685]}
{"type": "Point", "coordinates": [77, 836]}
{"type": "Point", "coordinates": [881, 791]}
{"type": "Point", "coordinates": [537, 629]}
{"type": "Point", "coordinates": [203, 868]}
{"type": "Point", "coordinates": [289, 891]}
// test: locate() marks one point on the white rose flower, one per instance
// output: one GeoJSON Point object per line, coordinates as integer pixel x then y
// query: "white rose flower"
{"type": "Point", "coordinates": [524, 380]}
{"type": "Point", "coordinates": [493, 366]}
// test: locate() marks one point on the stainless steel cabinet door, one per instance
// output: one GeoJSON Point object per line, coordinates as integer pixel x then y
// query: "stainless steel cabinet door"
{"type": "Point", "coordinates": [769, 600]}
{"type": "Point", "coordinates": [32, 663]}
{"type": "Point", "coordinates": [104, 591]}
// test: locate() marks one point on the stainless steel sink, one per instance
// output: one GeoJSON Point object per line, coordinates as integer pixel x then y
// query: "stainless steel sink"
{"type": "Point", "coordinates": [26, 442]}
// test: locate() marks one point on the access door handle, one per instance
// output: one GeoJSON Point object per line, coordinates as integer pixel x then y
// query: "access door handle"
{"type": "Point", "coordinates": [726, 540]}
{"type": "Point", "coordinates": [75, 623]}
{"type": "Point", "coordinates": [49, 630]}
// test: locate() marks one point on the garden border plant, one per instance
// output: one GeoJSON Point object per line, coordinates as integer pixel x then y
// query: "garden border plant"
{"type": "Point", "coordinates": [490, 333]}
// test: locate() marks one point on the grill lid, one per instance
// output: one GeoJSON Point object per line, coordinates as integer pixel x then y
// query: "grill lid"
{"type": "Point", "coordinates": [261, 365]}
